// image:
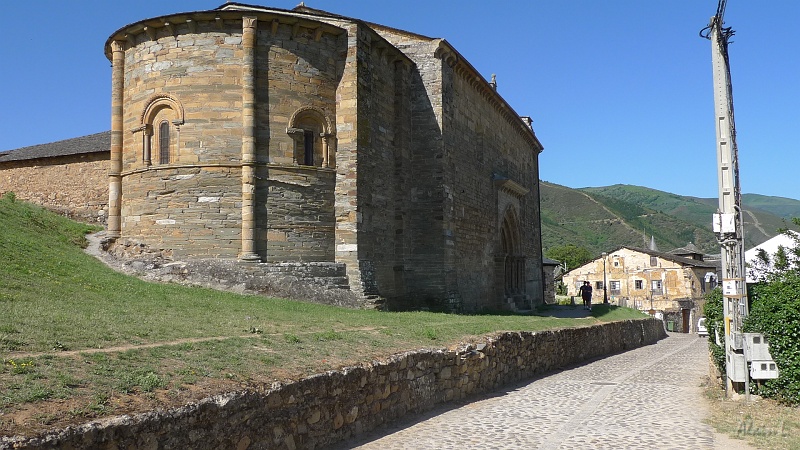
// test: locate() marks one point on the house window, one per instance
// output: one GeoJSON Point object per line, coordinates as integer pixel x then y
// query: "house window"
{"type": "Point", "coordinates": [656, 287]}
{"type": "Point", "coordinates": [653, 261]}
{"type": "Point", "coordinates": [163, 142]}
{"type": "Point", "coordinates": [614, 286]}
{"type": "Point", "coordinates": [598, 285]}
{"type": "Point", "coordinates": [638, 285]}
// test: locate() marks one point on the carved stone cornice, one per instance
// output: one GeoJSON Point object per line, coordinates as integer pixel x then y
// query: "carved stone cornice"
{"type": "Point", "coordinates": [177, 24]}
{"type": "Point", "coordinates": [510, 186]}
{"type": "Point", "coordinates": [464, 69]}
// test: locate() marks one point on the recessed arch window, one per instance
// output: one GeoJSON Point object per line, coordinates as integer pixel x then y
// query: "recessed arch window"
{"type": "Point", "coordinates": [310, 129]}
{"type": "Point", "coordinates": [160, 126]}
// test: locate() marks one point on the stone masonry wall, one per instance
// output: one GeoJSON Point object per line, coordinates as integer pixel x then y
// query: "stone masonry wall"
{"type": "Point", "coordinates": [334, 406]}
{"type": "Point", "coordinates": [462, 139]}
{"type": "Point", "coordinates": [76, 186]}
{"type": "Point", "coordinates": [486, 144]}
{"type": "Point", "coordinates": [193, 203]}
{"type": "Point", "coordinates": [420, 230]}
{"type": "Point", "coordinates": [383, 126]}
{"type": "Point", "coordinates": [295, 213]}
{"type": "Point", "coordinates": [193, 211]}
{"type": "Point", "coordinates": [373, 131]}
{"type": "Point", "coordinates": [183, 64]}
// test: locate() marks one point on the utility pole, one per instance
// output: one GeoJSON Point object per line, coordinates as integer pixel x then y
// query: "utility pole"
{"type": "Point", "coordinates": [728, 221]}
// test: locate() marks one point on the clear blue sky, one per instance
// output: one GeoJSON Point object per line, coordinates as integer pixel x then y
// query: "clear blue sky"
{"type": "Point", "coordinates": [620, 91]}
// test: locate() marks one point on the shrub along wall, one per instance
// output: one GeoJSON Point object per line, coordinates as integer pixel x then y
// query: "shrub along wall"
{"type": "Point", "coordinates": [775, 311]}
{"type": "Point", "coordinates": [339, 405]}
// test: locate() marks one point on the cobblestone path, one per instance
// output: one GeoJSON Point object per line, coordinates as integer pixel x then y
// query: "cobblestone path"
{"type": "Point", "coordinates": [647, 398]}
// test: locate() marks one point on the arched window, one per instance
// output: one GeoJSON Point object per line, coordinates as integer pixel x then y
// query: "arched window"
{"type": "Point", "coordinates": [310, 129]}
{"type": "Point", "coordinates": [160, 126]}
{"type": "Point", "coordinates": [163, 142]}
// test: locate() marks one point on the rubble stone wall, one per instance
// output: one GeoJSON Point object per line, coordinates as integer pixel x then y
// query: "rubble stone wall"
{"type": "Point", "coordinates": [338, 405]}
{"type": "Point", "coordinates": [76, 186]}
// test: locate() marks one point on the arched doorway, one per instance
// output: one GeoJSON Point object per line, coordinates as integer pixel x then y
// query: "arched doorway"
{"type": "Point", "coordinates": [510, 263]}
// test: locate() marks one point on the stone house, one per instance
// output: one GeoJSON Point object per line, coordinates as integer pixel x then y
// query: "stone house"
{"type": "Point", "coordinates": [271, 136]}
{"type": "Point", "coordinates": [664, 283]}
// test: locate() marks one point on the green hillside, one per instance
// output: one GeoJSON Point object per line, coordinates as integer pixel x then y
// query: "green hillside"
{"type": "Point", "coordinates": [782, 207]}
{"type": "Point", "coordinates": [779, 207]}
{"type": "Point", "coordinates": [603, 218]}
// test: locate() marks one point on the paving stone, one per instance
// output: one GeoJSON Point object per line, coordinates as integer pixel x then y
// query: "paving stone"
{"type": "Point", "coordinates": [633, 400]}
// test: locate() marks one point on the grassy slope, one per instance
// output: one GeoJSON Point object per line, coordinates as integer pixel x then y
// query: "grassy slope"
{"type": "Point", "coordinates": [79, 340]}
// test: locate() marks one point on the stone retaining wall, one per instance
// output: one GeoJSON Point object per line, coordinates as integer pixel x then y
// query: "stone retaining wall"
{"type": "Point", "coordinates": [338, 405]}
{"type": "Point", "coordinates": [317, 282]}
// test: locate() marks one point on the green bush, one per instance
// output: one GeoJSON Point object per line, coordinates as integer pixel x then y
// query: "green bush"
{"type": "Point", "coordinates": [715, 320]}
{"type": "Point", "coordinates": [775, 312]}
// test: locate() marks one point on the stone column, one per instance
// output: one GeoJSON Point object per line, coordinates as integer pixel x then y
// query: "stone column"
{"type": "Point", "coordinates": [115, 165]}
{"type": "Point", "coordinates": [147, 136]}
{"type": "Point", "coordinates": [248, 141]}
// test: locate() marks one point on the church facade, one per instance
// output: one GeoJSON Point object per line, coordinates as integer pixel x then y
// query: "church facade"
{"type": "Point", "coordinates": [267, 136]}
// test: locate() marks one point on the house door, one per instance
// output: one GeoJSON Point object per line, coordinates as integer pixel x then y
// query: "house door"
{"type": "Point", "coordinates": [685, 313]}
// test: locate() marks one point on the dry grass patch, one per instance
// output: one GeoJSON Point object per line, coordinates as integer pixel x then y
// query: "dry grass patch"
{"type": "Point", "coordinates": [762, 423]}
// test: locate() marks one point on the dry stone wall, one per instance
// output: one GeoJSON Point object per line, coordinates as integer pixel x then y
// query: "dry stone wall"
{"type": "Point", "coordinates": [328, 408]}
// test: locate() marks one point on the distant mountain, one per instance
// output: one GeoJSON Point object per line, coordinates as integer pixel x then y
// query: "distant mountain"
{"type": "Point", "coordinates": [783, 207]}
{"type": "Point", "coordinates": [603, 218]}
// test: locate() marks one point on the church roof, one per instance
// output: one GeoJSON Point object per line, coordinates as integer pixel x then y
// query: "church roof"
{"type": "Point", "coordinates": [93, 143]}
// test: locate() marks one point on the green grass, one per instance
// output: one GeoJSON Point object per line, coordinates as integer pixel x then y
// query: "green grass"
{"type": "Point", "coordinates": [79, 340]}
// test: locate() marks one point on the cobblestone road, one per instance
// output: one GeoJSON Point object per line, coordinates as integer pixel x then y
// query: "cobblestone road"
{"type": "Point", "coordinates": [647, 398]}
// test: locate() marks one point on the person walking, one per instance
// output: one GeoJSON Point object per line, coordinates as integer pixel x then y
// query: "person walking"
{"type": "Point", "coordinates": [586, 295]}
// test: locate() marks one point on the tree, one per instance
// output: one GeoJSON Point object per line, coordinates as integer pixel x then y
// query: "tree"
{"type": "Point", "coordinates": [570, 254]}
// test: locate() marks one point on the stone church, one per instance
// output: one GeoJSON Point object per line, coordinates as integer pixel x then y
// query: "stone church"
{"type": "Point", "coordinates": [265, 136]}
